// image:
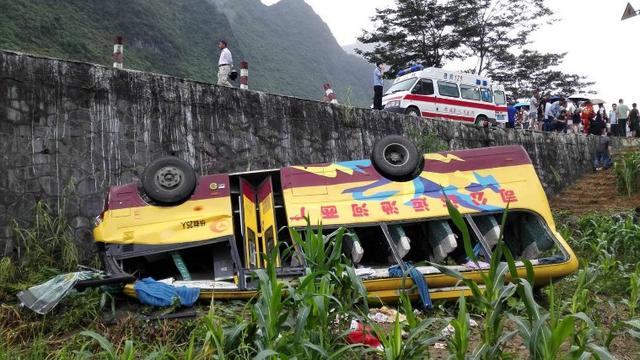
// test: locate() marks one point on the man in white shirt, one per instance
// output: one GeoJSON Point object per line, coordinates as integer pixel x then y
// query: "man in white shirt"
{"type": "Point", "coordinates": [224, 64]}
{"type": "Point", "coordinates": [613, 120]}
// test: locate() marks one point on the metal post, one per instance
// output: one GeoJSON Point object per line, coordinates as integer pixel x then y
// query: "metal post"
{"type": "Point", "coordinates": [118, 52]}
{"type": "Point", "coordinates": [244, 75]}
{"type": "Point", "coordinates": [330, 95]}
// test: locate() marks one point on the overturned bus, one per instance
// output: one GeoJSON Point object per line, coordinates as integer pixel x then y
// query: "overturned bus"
{"type": "Point", "coordinates": [212, 231]}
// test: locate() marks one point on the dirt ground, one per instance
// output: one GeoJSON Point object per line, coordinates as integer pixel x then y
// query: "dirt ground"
{"type": "Point", "coordinates": [594, 192]}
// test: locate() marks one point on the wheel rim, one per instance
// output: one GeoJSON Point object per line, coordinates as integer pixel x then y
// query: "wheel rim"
{"type": "Point", "coordinates": [396, 154]}
{"type": "Point", "coordinates": [169, 177]}
{"type": "Point", "coordinates": [413, 113]}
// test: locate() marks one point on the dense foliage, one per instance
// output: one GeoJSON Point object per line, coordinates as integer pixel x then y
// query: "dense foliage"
{"type": "Point", "coordinates": [494, 33]}
{"type": "Point", "coordinates": [290, 50]}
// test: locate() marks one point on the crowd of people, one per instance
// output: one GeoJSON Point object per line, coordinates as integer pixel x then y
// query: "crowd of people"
{"type": "Point", "coordinates": [567, 115]}
{"type": "Point", "coordinates": [575, 116]}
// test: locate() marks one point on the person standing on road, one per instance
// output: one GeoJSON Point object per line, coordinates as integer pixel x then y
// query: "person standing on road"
{"type": "Point", "coordinates": [511, 115]}
{"type": "Point", "coordinates": [634, 120]}
{"type": "Point", "coordinates": [534, 102]}
{"type": "Point", "coordinates": [613, 120]}
{"type": "Point", "coordinates": [552, 111]}
{"type": "Point", "coordinates": [586, 115]}
{"type": "Point", "coordinates": [623, 116]}
{"type": "Point", "coordinates": [225, 64]}
{"type": "Point", "coordinates": [378, 85]}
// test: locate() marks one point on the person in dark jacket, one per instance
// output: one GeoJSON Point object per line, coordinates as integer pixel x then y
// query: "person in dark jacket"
{"type": "Point", "coordinates": [597, 125]}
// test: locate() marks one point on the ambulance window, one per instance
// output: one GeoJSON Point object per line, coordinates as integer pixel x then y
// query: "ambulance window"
{"type": "Point", "coordinates": [500, 99]}
{"type": "Point", "coordinates": [470, 92]}
{"type": "Point", "coordinates": [424, 87]}
{"type": "Point", "coordinates": [486, 95]}
{"type": "Point", "coordinates": [448, 89]}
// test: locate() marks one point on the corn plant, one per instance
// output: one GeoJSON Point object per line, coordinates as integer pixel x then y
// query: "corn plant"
{"type": "Point", "coordinates": [296, 321]}
{"type": "Point", "coordinates": [634, 292]}
{"type": "Point", "coordinates": [492, 299]}
{"type": "Point", "coordinates": [459, 342]}
{"type": "Point", "coordinates": [627, 169]}
{"type": "Point", "coordinates": [220, 343]}
{"type": "Point", "coordinates": [269, 312]}
{"type": "Point", "coordinates": [582, 299]}
{"type": "Point", "coordinates": [417, 335]}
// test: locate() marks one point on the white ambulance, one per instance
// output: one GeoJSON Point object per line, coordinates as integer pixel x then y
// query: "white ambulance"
{"type": "Point", "coordinates": [440, 94]}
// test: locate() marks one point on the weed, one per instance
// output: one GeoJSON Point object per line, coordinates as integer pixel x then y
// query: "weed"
{"type": "Point", "coordinates": [427, 142]}
{"type": "Point", "coordinates": [7, 270]}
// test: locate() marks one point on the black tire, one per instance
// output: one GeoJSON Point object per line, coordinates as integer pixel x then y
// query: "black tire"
{"type": "Point", "coordinates": [397, 158]}
{"type": "Point", "coordinates": [412, 111]}
{"type": "Point", "coordinates": [168, 180]}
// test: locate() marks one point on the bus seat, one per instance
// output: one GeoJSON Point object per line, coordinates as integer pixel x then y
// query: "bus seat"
{"type": "Point", "coordinates": [400, 240]}
{"type": "Point", "coordinates": [489, 227]}
{"type": "Point", "coordinates": [352, 247]}
{"type": "Point", "coordinates": [442, 239]}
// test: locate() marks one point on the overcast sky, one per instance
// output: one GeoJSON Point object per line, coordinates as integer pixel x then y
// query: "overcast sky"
{"type": "Point", "coordinates": [598, 44]}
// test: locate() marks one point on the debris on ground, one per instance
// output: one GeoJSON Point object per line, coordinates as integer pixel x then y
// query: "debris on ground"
{"type": "Point", "coordinates": [440, 346]}
{"type": "Point", "coordinates": [385, 315]}
{"type": "Point", "coordinates": [44, 297]}
{"type": "Point", "coordinates": [156, 293]}
{"type": "Point", "coordinates": [363, 334]}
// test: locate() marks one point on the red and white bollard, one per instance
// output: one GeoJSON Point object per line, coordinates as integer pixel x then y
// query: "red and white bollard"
{"type": "Point", "coordinates": [118, 52]}
{"type": "Point", "coordinates": [329, 94]}
{"type": "Point", "coordinates": [244, 75]}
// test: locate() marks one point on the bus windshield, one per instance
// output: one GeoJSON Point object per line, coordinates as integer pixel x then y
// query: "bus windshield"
{"type": "Point", "coordinates": [403, 85]}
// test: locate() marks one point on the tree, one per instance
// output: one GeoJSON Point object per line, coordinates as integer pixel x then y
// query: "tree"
{"type": "Point", "coordinates": [414, 32]}
{"type": "Point", "coordinates": [521, 74]}
{"type": "Point", "coordinates": [493, 27]}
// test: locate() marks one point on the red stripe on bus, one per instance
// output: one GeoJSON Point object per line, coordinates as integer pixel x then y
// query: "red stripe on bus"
{"type": "Point", "coordinates": [448, 116]}
{"type": "Point", "coordinates": [439, 100]}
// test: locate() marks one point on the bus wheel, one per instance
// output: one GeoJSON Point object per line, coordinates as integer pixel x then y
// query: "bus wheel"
{"type": "Point", "coordinates": [397, 158]}
{"type": "Point", "coordinates": [168, 180]}
{"type": "Point", "coordinates": [413, 112]}
{"type": "Point", "coordinates": [482, 121]}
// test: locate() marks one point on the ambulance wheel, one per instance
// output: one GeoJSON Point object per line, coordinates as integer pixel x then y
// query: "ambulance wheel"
{"type": "Point", "coordinates": [168, 180]}
{"type": "Point", "coordinates": [412, 111]}
{"type": "Point", "coordinates": [397, 158]}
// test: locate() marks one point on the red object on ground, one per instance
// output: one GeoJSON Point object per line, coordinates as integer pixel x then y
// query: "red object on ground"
{"type": "Point", "coordinates": [362, 334]}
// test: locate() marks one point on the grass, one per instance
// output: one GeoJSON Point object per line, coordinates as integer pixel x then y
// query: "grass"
{"type": "Point", "coordinates": [587, 314]}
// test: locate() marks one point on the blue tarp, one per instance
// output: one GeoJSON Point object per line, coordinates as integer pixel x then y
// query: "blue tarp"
{"type": "Point", "coordinates": [152, 292]}
{"type": "Point", "coordinates": [418, 279]}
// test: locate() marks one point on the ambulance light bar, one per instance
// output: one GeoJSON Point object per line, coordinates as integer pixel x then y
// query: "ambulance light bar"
{"type": "Point", "coordinates": [414, 68]}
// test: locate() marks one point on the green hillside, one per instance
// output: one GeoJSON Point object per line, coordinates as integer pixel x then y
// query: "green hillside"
{"type": "Point", "coordinates": [289, 48]}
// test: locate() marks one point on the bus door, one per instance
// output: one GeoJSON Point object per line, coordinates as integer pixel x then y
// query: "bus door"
{"type": "Point", "coordinates": [268, 228]}
{"type": "Point", "coordinates": [250, 225]}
